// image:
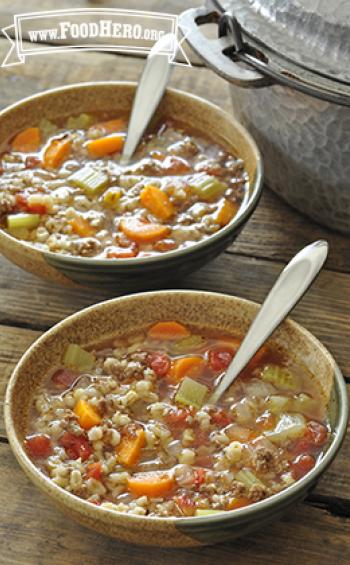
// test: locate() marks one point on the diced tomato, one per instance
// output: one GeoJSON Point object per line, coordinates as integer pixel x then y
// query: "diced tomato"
{"type": "Point", "coordinates": [177, 417]}
{"type": "Point", "coordinates": [302, 465]}
{"type": "Point", "coordinates": [76, 446]}
{"type": "Point", "coordinates": [38, 445]}
{"type": "Point", "coordinates": [63, 378]}
{"type": "Point", "coordinates": [220, 358]}
{"type": "Point", "coordinates": [117, 252]}
{"type": "Point", "coordinates": [31, 162]}
{"type": "Point", "coordinates": [175, 165]}
{"type": "Point", "coordinates": [94, 471]}
{"type": "Point", "coordinates": [159, 362]}
{"type": "Point", "coordinates": [96, 502]}
{"type": "Point", "coordinates": [22, 202]}
{"type": "Point", "coordinates": [201, 438]}
{"type": "Point", "coordinates": [23, 205]}
{"type": "Point", "coordinates": [301, 446]}
{"type": "Point", "coordinates": [186, 504]}
{"type": "Point", "coordinates": [199, 477]}
{"type": "Point", "coordinates": [37, 209]}
{"type": "Point", "coordinates": [220, 417]}
{"type": "Point", "coordinates": [205, 460]}
{"type": "Point", "coordinates": [316, 433]}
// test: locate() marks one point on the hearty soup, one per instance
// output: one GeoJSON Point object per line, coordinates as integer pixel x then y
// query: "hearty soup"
{"type": "Point", "coordinates": [128, 426]}
{"type": "Point", "coordinates": [63, 189]}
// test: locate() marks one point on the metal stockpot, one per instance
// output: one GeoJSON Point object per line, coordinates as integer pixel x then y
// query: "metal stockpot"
{"type": "Point", "coordinates": [288, 62]}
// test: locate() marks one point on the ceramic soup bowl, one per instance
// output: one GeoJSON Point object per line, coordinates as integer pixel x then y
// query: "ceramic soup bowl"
{"type": "Point", "coordinates": [144, 272]}
{"type": "Point", "coordinates": [122, 316]}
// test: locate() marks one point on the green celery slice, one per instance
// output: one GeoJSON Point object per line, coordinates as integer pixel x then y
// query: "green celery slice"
{"type": "Point", "coordinates": [82, 121]}
{"type": "Point", "coordinates": [75, 357]}
{"type": "Point", "coordinates": [191, 393]}
{"type": "Point", "coordinates": [248, 478]}
{"type": "Point", "coordinates": [29, 221]}
{"type": "Point", "coordinates": [281, 377]}
{"type": "Point", "coordinates": [188, 344]}
{"type": "Point", "coordinates": [277, 404]}
{"type": "Point", "coordinates": [207, 512]}
{"type": "Point", "coordinates": [207, 187]}
{"type": "Point", "coordinates": [89, 180]}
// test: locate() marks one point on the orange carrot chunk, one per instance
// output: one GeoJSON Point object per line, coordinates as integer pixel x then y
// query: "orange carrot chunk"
{"type": "Point", "coordinates": [238, 503]}
{"type": "Point", "coordinates": [191, 366]}
{"type": "Point", "coordinates": [105, 146]}
{"type": "Point", "coordinates": [27, 140]}
{"type": "Point", "coordinates": [226, 212]}
{"type": "Point", "coordinates": [82, 227]}
{"type": "Point", "coordinates": [151, 484]}
{"type": "Point", "coordinates": [157, 202]}
{"type": "Point", "coordinates": [87, 416]}
{"type": "Point", "coordinates": [57, 152]}
{"type": "Point", "coordinates": [143, 232]}
{"type": "Point", "coordinates": [168, 330]}
{"type": "Point", "coordinates": [129, 449]}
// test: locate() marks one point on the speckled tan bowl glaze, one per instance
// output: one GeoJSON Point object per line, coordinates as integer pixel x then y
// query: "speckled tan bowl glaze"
{"type": "Point", "coordinates": [138, 273]}
{"type": "Point", "coordinates": [123, 315]}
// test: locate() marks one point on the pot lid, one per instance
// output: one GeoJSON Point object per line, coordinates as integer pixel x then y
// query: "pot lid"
{"type": "Point", "coordinates": [313, 34]}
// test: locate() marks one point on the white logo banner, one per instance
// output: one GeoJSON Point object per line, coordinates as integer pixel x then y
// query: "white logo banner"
{"type": "Point", "coordinates": [89, 29]}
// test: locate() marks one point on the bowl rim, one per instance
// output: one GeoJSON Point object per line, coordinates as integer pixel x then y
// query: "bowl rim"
{"type": "Point", "coordinates": [338, 435]}
{"type": "Point", "coordinates": [245, 211]}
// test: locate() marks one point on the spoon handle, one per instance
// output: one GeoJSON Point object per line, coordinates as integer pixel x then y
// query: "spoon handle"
{"type": "Point", "coordinates": [148, 95]}
{"type": "Point", "coordinates": [290, 286]}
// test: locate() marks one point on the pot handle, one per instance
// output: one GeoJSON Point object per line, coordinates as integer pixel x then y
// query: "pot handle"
{"type": "Point", "coordinates": [212, 51]}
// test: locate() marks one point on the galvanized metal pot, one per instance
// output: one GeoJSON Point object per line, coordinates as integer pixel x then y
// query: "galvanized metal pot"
{"type": "Point", "coordinates": [289, 68]}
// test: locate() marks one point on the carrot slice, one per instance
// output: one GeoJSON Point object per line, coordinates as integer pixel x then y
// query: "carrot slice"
{"type": "Point", "coordinates": [187, 367]}
{"type": "Point", "coordinates": [27, 140]}
{"type": "Point", "coordinates": [226, 212]}
{"type": "Point", "coordinates": [82, 227]}
{"type": "Point", "coordinates": [110, 126]}
{"type": "Point", "coordinates": [87, 416]}
{"type": "Point", "coordinates": [105, 146]}
{"type": "Point", "coordinates": [143, 232]}
{"type": "Point", "coordinates": [57, 152]}
{"type": "Point", "coordinates": [168, 330]}
{"type": "Point", "coordinates": [238, 503]}
{"type": "Point", "coordinates": [150, 484]}
{"type": "Point", "coordinates": [129, 449]}
{"type": "Point", "coordinates": [157, 202]}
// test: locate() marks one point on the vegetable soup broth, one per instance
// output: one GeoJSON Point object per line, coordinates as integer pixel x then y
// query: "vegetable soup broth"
{"type": "Point", "coordinates": [128, 426]}
{"type": "Point", "coordinates": [63, 189]}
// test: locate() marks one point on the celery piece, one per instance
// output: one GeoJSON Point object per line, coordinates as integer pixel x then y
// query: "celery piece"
{"type": "Point", "coordinates": [47, 128]}
{"type": "Point", "coordinates": [28, 221]}
{"type": "Point", "coordinates": [191, 393]}
{"type": "Point", "coordinates": [82, 121]}
{"type": "Point", "coordinates": [281, 377]}
{"type": "Point", "coordinates": [207, 187]}
{"type": "Point", "coordinates": [207, 512]}
{"type": "Point", "coordinates": [188, 344]}
{"type": "Point", "coordinates": [289, 427]}
{"type": "Point", "coordinates": [112, 196]}
{"type": "Point", "coordinates": [247, 478]}
{"type": "Point", "coordinates": [277, 404]}
{"type": "Point", "coordinates": [19, 233]}
{"type": "Point", "coordinates": [75, 357]}
{"type": "Point", "coordinates": [89, 180]}
{"type": "Point", "coordinates": [305, 404]}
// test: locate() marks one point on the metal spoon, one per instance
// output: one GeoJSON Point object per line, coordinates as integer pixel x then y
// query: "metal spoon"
{"type": "Point", "coordinates": [149, 93]}
{"type": "Point", "coordinates": [290, 286]}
